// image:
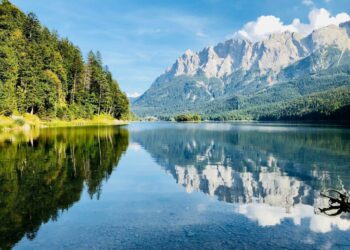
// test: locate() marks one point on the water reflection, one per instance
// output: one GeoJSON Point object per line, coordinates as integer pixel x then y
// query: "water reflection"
{"type": "Point", "coordinates": [43, 173]}
{"type": "Point", "coordinates": [338, 203]}
{"type": "Point", "coordinates": [270, 173]}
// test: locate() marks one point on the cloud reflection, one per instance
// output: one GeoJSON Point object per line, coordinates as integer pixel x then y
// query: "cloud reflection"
{"type": "Point", "coordinates": [270, 173]}
{"type": "Point", "coordinates": [267, 215]}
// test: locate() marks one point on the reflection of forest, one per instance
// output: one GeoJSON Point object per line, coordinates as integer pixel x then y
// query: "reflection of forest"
{"type": "Point", "coordinates": [281, 168]}
{"type": "Point", "coordinates": [44, 173]}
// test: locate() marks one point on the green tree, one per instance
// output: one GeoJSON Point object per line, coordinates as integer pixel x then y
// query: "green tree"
{"type": "Point", "coordinates": [45, 75]}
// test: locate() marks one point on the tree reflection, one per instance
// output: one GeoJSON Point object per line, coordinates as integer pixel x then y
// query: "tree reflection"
{"type": "Point", "coordinates": [44, 174]}
{"type": "Point", "coordinates": [239, 165]}
{"type": "Point", "coordinates": [270, 173]}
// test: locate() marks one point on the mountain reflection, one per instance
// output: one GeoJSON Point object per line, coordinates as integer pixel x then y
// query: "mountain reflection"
{"type": "Point", "coordinates": [43, 173]}
{"type": "Point", "coordinates": [271, 173]}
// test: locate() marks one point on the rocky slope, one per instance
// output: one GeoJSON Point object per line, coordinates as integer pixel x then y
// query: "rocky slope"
{"type": "Point", "coordinates": [239, 67]}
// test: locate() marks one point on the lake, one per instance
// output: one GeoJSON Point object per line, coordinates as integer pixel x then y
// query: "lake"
{"type": "Point", "coordinates": [174, 186]}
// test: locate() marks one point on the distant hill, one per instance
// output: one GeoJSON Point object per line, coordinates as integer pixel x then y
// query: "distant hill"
{"type": "Point", "coordinates": [239, 75]}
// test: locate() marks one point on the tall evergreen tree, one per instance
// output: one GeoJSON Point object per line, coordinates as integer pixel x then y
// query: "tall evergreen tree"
{"type": "Point", "coordinates": [45, 75]}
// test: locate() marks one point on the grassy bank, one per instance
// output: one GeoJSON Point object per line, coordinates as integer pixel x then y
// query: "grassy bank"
{"type": "Point", "coordinates": [27, 122]}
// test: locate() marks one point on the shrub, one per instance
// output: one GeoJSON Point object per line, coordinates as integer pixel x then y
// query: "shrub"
{"type": "Point", "coordinates": [188, 118]}
{"type": "Point", "coordinates": [19, 122]}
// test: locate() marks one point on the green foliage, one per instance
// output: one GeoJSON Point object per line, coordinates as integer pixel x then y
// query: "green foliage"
{"type": "Point", "coordinates": [19, 122]}
{"type": "Point", "coordinates": [45, 75]}
{"type": "Point", "coordinates": [331, 105]}
{"type": "Point", "coordinates": [40, 178]}
{"type": "Point", "coordinates": [188, 118]}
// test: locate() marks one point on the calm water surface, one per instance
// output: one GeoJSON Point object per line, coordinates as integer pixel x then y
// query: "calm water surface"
{"type": "Point", "coordinates": [174, 186]}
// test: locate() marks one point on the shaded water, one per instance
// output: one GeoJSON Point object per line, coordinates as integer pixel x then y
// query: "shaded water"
{"type": "Point", "coordinates": [164, 185]}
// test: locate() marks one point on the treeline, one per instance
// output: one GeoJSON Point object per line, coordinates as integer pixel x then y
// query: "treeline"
{"type": "Point", "coordinates": [43, 74]}
{"type": "Point", "coordinates": [326, 106]}
{"type": "Point", "coordinates": [333, 106]}
{"type": "Point", "coordinates": [188, 118]}
{"type": "Point", "coordinates": [330, 106]}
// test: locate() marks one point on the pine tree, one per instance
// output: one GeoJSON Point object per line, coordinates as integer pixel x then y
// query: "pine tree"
{"type": "Point", "coordinates": [8, 77]}
{"type": "Point", "coordinates": [45, 75]}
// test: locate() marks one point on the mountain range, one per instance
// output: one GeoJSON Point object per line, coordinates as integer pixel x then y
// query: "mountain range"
{"type": "Point", "coordinates": [235, 79]}
{"type": "Point", "coordinates": [262, 169]}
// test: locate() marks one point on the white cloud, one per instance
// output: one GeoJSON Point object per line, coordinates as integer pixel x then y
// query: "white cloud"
{"type": "Point", "coordinates": [308, 2]}
{"type": "Point", "coordinates": [267, 25]}
{"type": "Point", "coordinates": [200, 34]}
{"type": "Point", "coordinates": [133, 95]}
{"type": "Point", "coordinates": [266, 215]}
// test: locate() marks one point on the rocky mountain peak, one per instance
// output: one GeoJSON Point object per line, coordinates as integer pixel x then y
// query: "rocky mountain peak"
{"type": "Point", "coordinates": [189, 52]}
{"type": "Point", "coordinates": [331, 35]}
{"type": "Point", "coordinates": [241, 67]}
{"type": "Point", "coordinates": [270, 55]}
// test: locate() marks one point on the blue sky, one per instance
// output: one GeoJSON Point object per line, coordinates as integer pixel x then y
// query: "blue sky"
{"type": "Point", "coordinates": [139, 39]}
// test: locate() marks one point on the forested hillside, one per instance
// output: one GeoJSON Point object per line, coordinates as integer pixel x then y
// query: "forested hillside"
{"type": "Point", "coordinates": [242, 79]}
{"type": "Point", "coordinates": [43, 74]}
{"type": "Point", "coordinates": [330, 105]}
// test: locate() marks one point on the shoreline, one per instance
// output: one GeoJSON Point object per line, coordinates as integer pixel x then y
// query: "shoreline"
{"type": "Point", "coordinates": [85, 123]}
{"type": "Point", "coordinates": [11, 124]}
{"type": "Point", "coordinates": [29, 122]}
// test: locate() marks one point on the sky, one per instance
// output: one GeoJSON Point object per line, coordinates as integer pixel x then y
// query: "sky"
{"type": "Point", "coordinates": [139, 39]}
